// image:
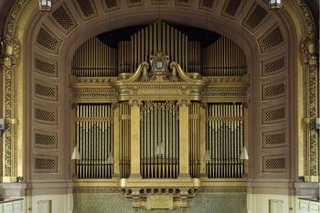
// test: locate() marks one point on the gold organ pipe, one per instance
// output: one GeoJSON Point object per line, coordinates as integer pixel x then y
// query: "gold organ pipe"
{"type": "Point", "coordinates": [182, 51]}
{"type": "Point", "coordinates": [176, 45]}
{"type": "Point", "coordinates": [154, 35]}
{"type": "Point", "coordinates": [163, 38]}
{"type": "Point", "coordinates": [139, 48]}
{"type": "Point", "coordinates": [93, 53]}
{"type": "Point", "coordinates": [132, 55]}
{"type": "Point", "coordinates": [158, 36]}
{"type": "Point", "coordinates": [168, 39]}
{"type": "Point", "coordinates": [78, 140]}
{"type": "Point", "coordinates": [152, 142]}
{"type": "Point", "coordinates": [151, 48]}
{"type": "Point", "coordinates": [172, 44]}
{"type": "Point", "coordinates": [168, 115]}
{"type": "Point", "coordinates": [86, 142]}
{"type": "Point", "coordinates": [85, 148]}
{"type": "Point", "coordinates": [146, 50]}
{"type": "Point", "coordinates": [89, 141]}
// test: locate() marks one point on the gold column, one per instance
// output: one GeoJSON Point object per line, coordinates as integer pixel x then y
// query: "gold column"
{"type": "Point", "coordinates": [135, 139]}
{"type": "Point", "coordinates": [116, 142]}
{"type": "Point", "coordinates": [246, 139]}
{"type": "Point", "coordinates": [202, 141]}
{"type": "Point", "coordinates": [184, 138]}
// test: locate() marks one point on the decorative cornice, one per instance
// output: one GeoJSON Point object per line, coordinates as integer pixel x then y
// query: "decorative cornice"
{"type": "Point", "coordinates": [14, 15]}
{"type": "Point", "coordinates": [309, 19]}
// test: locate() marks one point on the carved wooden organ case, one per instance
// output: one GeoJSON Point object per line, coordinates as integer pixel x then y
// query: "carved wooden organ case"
{"type": "Point", "coordinates": [166, 128]}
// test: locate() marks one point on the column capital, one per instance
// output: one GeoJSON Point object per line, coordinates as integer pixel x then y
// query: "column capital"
{"type": "Point", "coordinates": [135, 102]}
{"type": "Point", "coordinates": [184, 102]}
{"type": "Point", "coordinates": [9, 51]}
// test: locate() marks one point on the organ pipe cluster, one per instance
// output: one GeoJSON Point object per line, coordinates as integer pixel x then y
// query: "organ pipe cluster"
{"type": "Point", "coordinates": [96, 59]}
{"type": "Point", "coordinates": [159, 140]}
{"type": "Point", "coordinates": [224, 58]}
{"type": "Point", "coordinates": [159, 37]}
{"type": "Point", "coordinates": [225, 139]}
{"type": "Point", "coordinates": [94, 135]}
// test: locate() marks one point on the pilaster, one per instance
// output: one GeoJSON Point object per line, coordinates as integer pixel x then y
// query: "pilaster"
{"type": "Point", "coordinates": [135, 138]}
{"type": "Point", "coordinates": [184, 138]}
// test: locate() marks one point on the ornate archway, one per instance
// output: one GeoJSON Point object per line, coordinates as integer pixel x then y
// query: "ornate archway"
{"type": "Point", "coordinates": [39, 114]}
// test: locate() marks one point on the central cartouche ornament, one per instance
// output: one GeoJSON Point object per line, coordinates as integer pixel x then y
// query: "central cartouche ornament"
{"type": "Point", "coordinates": [159, 64]}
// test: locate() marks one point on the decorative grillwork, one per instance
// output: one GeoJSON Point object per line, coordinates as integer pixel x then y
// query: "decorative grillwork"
{"type": "Point", "coordinates": [273, 139]}
{"type": "Point", "coordinates": [159, 1]}
{"type": "Point", "coordinates": [232, 7]}
{"type": "Point", "coordinates": [272, 91]}
{"type": "Point", "coordinates": [46, 91]}
{"type": "Point", "coordinates": [225, 139]}
{"type": "Point", "coordinates": [86, 7]}
{"type": "Point", "coordinates": [272, 115]}
{"type": "Point", "coordinates": [159, 141]}
{"type": "Point", "coordinates": [46, 140]}
{"type": "Point", "coordinates": [48, 116]}
{"type": "Point", "coordinates": [64, 20]}
{"type": "Point", "coordinates": [110, 4]}
{"type": "Point", "coordinates": [183, 2]}
{"type": "Point", "coordinates": [273, 67]}
{"type": "Point", "coordinates": [271, 40]}
{"type": "Point", "coordinates": [48, 40]}
{"type": "Point", "coordinates": [46, 67]}
{"type": "Point", "coordinates": [134, 2]}
{"type": "Point", "coordinates": [94, 136]}
{"type": "Point", "coordinates": [46, 164]}
{"type": "Point", "coordinates": [255, 18]}
{"type": "Point", "coordinates": [274, 163]}
{"type": "Point", "coordinates": [206, 4]}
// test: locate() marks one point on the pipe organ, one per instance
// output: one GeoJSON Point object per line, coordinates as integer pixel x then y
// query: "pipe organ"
{"type": "Point", "coordinates": [150, 111]}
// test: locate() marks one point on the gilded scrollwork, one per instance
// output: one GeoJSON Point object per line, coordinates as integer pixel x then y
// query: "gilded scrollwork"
{"type": "Point", "coordinates": [310, 23]}
{"type": "Point", "coordinates": [310, 62]}
{"type": "Point", "coordinates": [9, 53]}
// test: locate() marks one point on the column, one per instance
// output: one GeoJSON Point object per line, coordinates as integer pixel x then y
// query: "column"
{"type": "Point", "coordinates": [12, 151]}
{"type": "Point", "coordinates": [116, 140]}
{"type": "Point", "coordinates": [184, 138]}
{"type": "Point", "coordinates": [202, 141]}
{"type": "Point", "coordinates": [135, 139]}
